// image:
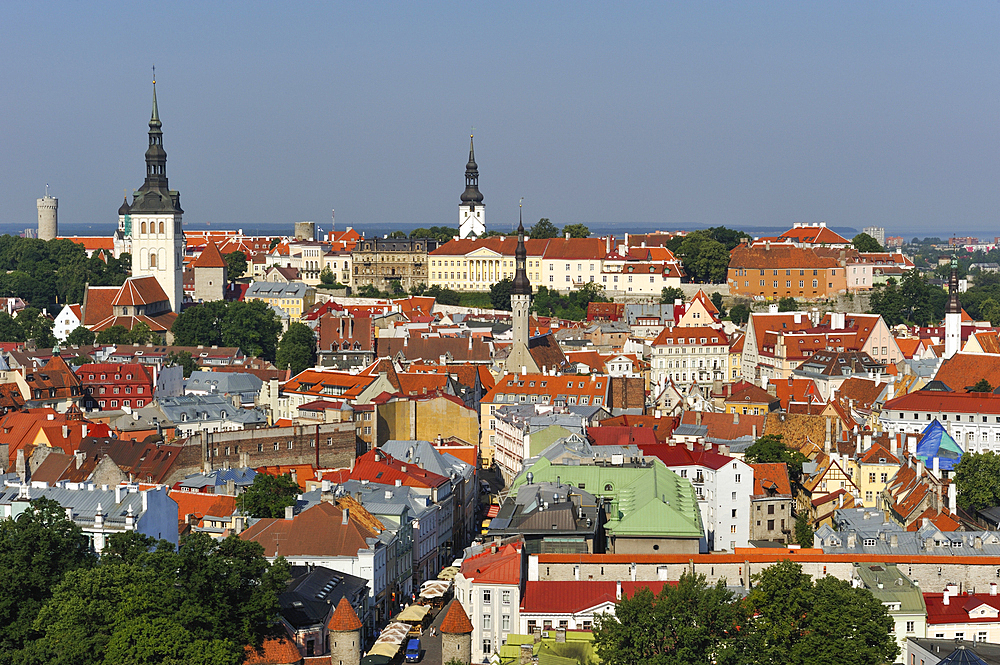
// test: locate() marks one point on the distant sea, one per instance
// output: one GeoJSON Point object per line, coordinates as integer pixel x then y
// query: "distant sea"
{"type": "Point", "coordinates": [383, 228]}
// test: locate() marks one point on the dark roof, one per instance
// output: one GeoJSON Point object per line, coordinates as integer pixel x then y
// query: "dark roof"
{"type": "Point", "coordinates": [311, 593]}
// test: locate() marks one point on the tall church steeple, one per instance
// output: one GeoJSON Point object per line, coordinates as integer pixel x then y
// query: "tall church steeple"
{"type": "Point", "coordinates": [519, 359]}
{"type": "Point", "coordinates": [471, 211]}
{"type": "Point", "coordinates": [953, 315]}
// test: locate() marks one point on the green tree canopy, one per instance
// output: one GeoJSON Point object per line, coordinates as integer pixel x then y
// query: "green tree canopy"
{"type": "Point", "coordinates": [687, 624]}
{"type": "Point", "coordinates": [576, 231]}
{"type": "Point", "coordinates": [252, 326]}
{"type": "Point", "coordinates": [788, 304]}
{"type": "Point", "coordinates": [865, 243]}
{"type": "Point", "coordinates": [81, 336]}
{"type": "Point", "coordinates": [36, 326]}
{"type": "Point", "coordinates": [671, 293]}
{"type": "Point", "coordinates": [269, 495]}
{"type": "Point", "coordinates": [444, 296]}
{"type": "Point", "coordinates": [826, 622]}
{"type": "Point", "coordinates": [141, 334]}
{"type": "Point", "coordinates": [716, 298]}
{"type": "Point", "coordinates": [982, 386]}
{"type": "Point", "coordinates": [297, 348]}
{"type": "Point", "coordinates": [543, 229]}
{"type": "Point", "coordinates": [236, 265]}
{"type": "Point", "coordinates": [440, 233]}
{"type": "Point", "coordinates": [185, 360]}
{"type": "Point", "coordinates": [739, 314]}
{"type": "Point", "coordinates": [500, 294]}
{"type": "Point", "coordinates": [397, 235]}
{"type": "Point", "coordinates": [976, 480]}
{"type": "Point", "coordinates": [116, 334]}
{"type": "Point", "coordinates": [705, 259]}
{"type": "Point", "coordinates": [769, 449]}
{"type": "Point", "coordinates": [803, 530]}
{"type": "Point", "coordinates": [37, 549]}
{"type": "Point", "coordinates": [572, 306]}
{"type": "Point", "coordinates": [326, 276]}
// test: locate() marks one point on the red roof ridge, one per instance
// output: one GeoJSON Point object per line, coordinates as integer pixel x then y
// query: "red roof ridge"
{"type": "Point", "coordinates": [456, 621]}
{"type": "Point", "coordinates": [210, 257]}
{"type": "Point", "coordinates": [344, 619]}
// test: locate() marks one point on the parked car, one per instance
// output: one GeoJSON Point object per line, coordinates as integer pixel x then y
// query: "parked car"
{"type": "Point", "coordinates": [413, 650]}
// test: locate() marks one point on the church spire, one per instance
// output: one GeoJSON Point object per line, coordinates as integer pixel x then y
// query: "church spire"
{"type": "Point", "coordinates": [472, 196]}
{"type": "Point", "coordinates": [954, 304]}
{"type": "Point", "coordinates": [521, 284]}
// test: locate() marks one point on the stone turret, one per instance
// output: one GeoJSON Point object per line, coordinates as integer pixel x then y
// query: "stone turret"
{"type": "Point", "coordinates": [345, 635]}
{"type": "Point", "coordinates": [456, 634]}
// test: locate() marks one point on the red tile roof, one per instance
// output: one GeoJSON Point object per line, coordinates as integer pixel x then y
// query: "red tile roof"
{"type": "Point", "coordinates": [573, 596]}
{"type": "Point", "coordinates": [815, 234]}
{"type": "Point", "coordinates": [456, 621]}
{"type": "Point", "coordinates": [318, 531]}
{"type": "Point", "coordinates": [621, 436]}
{"type": "Point", "coordinates": [778, 256]}
{"type": "Point", "coordinates": [140, 291]}
{"type": "Point", "coordinates": [500, 567]}
{"type": "Point", "coordinates": [770, 477]}
{"type": "Point", "coordinates": [201, 504]}
{"type": "Point", "coordinates": [377, 466]}
{"type": "Point", "coordinates": [210, 257]}
{"type": "Point", "coordinates": [965, 369]}
{"type": "Point", "coordinates": [958, 608]}
{"type": "Point", "coordinates": [679, 455]}
{"type": "Point", "coordinates": [944, 402]}
{"type": "Point", "coordinates": [662, 428]}
{"type": "Point", "coordinates": [97, 303]}
{"type": "Point", "coordinates": [727, 426]}
{"type": "Point", "coordinates": [676, 336]}
{"type": "Point", "coordinates": [344, 618]}
{"type": "Point", "coordinates": [280, 651]}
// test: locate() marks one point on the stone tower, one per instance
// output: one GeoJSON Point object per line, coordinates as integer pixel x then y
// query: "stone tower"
{"type": "Point", "coordinates": [154, 219]}
{"type": "Point", "coordinates": [456, 634]}
{"type": "Point", "coordinates": [471, 211]}
{"type": "Point", "coordinates": [519, 359]}
{"type": "Point", "coordinates": [48, 216]}
{"type": "Point", "coordinates": [953, 315]}
{"type": "Point", "coordinates": [345, 635]}
{"type": "Point", "coordinates": [210, 275]}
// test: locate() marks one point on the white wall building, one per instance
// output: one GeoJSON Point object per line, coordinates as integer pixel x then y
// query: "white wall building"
{"type": "Point", "coordinates": [489, 588]}
{"type": "Point", "coordinates": [67, 321]}
{"type": "Point", "coordinates": [690, 355]}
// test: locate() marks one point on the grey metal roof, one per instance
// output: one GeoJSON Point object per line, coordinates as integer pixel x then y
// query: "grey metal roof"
{"type": "Point", "coordinates": [857, 536]}
{"type": "Point", "coordinates": [426, 456]}
{"type": "Point", "coordinates": [312, 592]}
{"type": "Point", "coordinates": [83, 498]}
{"type": "Point", "coordinates": [241, 477]}
{"type": "Point", "coordinates": [186, 408]}
{"type": "Point", "coordinates": [277, 289]}
{"type": "Point", "coordinates": [223, 382]}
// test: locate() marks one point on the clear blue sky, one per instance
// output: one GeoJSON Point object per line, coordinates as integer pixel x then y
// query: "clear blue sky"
{"type": "Point", "coordinates": [754, 113]}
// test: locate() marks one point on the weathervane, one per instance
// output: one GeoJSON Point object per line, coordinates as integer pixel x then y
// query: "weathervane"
{"type": "Point", "coordinates": [154, 74]}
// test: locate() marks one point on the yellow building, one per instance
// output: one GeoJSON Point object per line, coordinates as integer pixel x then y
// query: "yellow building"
{"type": "Point", "coordinates": [871, 471]}
{"type": "Point", "coordinates": [292, 298]}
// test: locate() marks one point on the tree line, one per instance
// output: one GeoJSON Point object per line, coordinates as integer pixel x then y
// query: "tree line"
{"type": "Point", "coordinates": [142, 602]}
{"type": "Point", "coordinates": [786, 619]}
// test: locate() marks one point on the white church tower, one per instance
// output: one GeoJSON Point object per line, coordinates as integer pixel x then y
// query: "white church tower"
{"type": "Point", "coordinates": [471, 211]}
{"type": "Point", "coordinates": [151, 226]}
{"type": "Point", "coordinates": [953, 315]}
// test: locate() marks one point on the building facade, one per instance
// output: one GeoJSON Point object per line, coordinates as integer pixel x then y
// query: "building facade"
{"type": "Point", "coordinates": [385, 262]}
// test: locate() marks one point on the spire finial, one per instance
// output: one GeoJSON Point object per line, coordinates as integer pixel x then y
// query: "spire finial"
{"type": "Point", "coordinates": [154, 119]}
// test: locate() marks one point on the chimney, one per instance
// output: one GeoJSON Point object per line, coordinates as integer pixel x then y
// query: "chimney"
{"type": "Point", "coordinates": [894, 540]}
{"type": "Point", "coordinates": [697, 417]}
{"type": "Point", "coordinates": [826, 441]}
{"type": "Point", "coordinates": [289, 512]}
{"type": "Point", "coordinates": [935, 466]}
{"type": "Point", "coordinates": [736, 418]}
{"type": "Point", "coordinates": [345, 517]}
{"type": "Point", "coordinates": [946, 598]}
{"type": "Point", "coordinates": [618, 589]}
{"type": "Point", "coordinates": [993, 588]}
{"type": "Point", "coordinates": [754, 430]}
{"type": "Point", "coordinates": [65, 431]}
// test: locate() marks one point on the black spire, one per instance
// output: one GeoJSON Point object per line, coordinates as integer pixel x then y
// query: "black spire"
{"type": "Point", "coordinates": [521, 286]}
{"type": "Point", "coordinates": [155, 194]}
{"type": "Point", "coordinates": [954, 306]}
{"type": "Point", "coordinates": [472, 196]}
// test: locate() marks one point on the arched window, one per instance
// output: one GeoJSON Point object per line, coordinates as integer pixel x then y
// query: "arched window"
{"type": "Point", "coordinates": [161, 227]}
{"type": "Point", "coordinates": [608, 488]}
{"type": "Point", "coordinates": [143, 227]}
{"type": "Point", "coordinates": [152, 259]}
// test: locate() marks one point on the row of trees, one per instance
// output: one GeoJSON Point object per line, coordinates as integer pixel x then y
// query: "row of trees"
{"type": "Point", "coordinates": [46, 272]}
{"type": "Point", "coordinates": [913, 301]}
{"type": "Point", "coordinates": [143, 602]}
{"type": "Point", "coordinates": [787, 619]}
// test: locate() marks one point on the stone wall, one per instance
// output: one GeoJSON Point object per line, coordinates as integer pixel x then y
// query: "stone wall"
{"type": "Point", "coordinates": [267, 447]}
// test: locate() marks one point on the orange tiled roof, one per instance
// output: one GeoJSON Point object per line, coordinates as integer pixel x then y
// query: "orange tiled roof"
{"type": "Point", "coordinates": [768, 477]}
{"type": "Point", "coordinates": [692, 335]}
{"type": "Point", "coordinates": [274, 651]}
{"type": "Point", "coordinates": [98, 303]}
{"type": "Point", "coordinates": [777, 256]}
{"type": "Point", "coordinates": [344, 618]}
{"type": "Point", "coordinates": [140, 291]}
{"type": "Point", "coordinates": [456, 621]}
{"type": "Point", "coordinates": [210, 257]}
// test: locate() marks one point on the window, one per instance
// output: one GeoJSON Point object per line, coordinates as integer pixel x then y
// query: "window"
{"type": "Point", "coordinates": [909, 626]}
{"type": "Point", "coordinates": [770, 525]}
{"type": "Point", "coordinates": [487, 645]}
{"type": "Point", "coordinates": [870, 542]}
{"type": "Point", "coordinates": [770, 508]}
{"type": "Point", "coordinates": [732, 529]}
{"type": "Point", "coordinates": [980, 636]}
{"type": "Point", "coordinates": [505, 622]}
{"type": "Point", "coordinates": [734, 512]}
{"type": "Point", "coordinates": [487, 597]}
{"type": "Point", "coordinates": [487, 622]}
{"type": "Point", "coordinates": [737, 477]}
{"type": "Point", "coordinates": [505, 597]}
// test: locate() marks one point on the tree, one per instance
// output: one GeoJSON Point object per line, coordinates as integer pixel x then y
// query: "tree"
{"type": "Point", "coordinates": [36, 326]}
{"type": "Point", "coordinates": [728, 237]}
{"type": "Point", "coordinates": [788, 304]}
{"type": "Point", "coordinates": [669, 294]}
{"type": "Point", "coordinates": [440, 233]}
{"type": "Point", "coordinates": [252, 326]}
{"type": "Point", "coordinates": [692, 622]}
{"type": "Point", "coordinates": [492, 233]}
{"type": "Point", "coordinates": [716, 298]}
{"type": "Point", "coordinates": [982, 386]}
{"type": "Point", "coordinates": [141, 334]}
{"type": "Point", "coordinates": [865, 243]}
{"type": "Point", "coordinates": [185, 360]}
{"type": "Point", "coordinates": [989, 310]}
{"type": "Point", "coordinates": [887, 301]}
{"type": "Point", "coordinates": [976, 480]}
{"type": "Point", "coordinates": [543, 229]}
{"type": "Point", "coordinates": [269, 495]}
{"type": "Point", "coordinates": [37, 549]}
{"type": "Point", "coordinates": [769, 449]}
{"type": "Point", "coordinates": [369, 291]}
{"type": "Point", "coordinates": [80, 337]}
{"type": "Point", "coordinates": [236, 265]}
{"type": "Point", "coordinates": [397, 235]}
{"type": "Point", "coordinates": [576, 231]}
{"type": "Point", "coordinates": [116, 334]}
{"type": "Point", "coordinates": [500, 294]}
{"type": "Point", "coordinates": [326, 276]}
{"type": "Point", "coordinates": [803, 530]}
{"type": "Point", "coordinates": [799, 622]}
{"type": "Point", "coordinates": [444, 296]}
{"type": "Point", "coordinates": [297, 348]}
{"type": "Point", "coordinates": [739, 314]}
{"type": "Point", "coordinates": [705, 259]}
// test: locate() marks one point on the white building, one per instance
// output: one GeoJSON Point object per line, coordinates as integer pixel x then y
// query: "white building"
{"type": "Point", "coordinates": [68, 320]}
{"type": "Point", "coordinates": [100, 511]}
{"type": "Point", "coordinates": [698, 354]}
{"type": "Point", "coordinates": [489, 588]}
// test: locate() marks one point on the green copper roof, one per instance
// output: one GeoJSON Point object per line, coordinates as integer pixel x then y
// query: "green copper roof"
{"type": "Point", "coordinates": [639, 501]}
{"type": "Point", "coordinates": [896, 587]}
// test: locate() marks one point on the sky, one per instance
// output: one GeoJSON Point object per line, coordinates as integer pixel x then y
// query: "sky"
{"type": "Point", "coordinates": [622, 115]}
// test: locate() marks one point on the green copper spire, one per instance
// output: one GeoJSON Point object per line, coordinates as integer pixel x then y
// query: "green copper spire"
{"type": "Point", "coordinates": [154, 119]}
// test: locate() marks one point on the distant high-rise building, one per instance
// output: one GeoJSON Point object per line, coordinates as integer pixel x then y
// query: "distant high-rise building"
{"type": "Point", "coordinates": [48, 217]}
{"type": "Point", "coordinates": [151, 227]}
{"type": "Point", "coordinates": [877, 232]}
{"type": "Point", "coordinates": [471, 211]}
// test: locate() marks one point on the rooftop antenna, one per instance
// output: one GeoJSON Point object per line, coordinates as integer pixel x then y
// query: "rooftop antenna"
{"type": "Point", "coordinates": [154, 74]}
{"type": "Point", "coordinates": [46, 190]}
{"type": "Point", "coordinates": [333, 223]}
